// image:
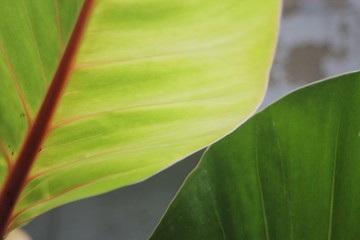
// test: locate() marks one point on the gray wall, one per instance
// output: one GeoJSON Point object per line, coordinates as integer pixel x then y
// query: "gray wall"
{"type": "Point", "coordinates": [319, 38]}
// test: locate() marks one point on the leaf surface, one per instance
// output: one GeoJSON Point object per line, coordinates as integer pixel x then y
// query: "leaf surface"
{"type": "Point", "coordinates": [151, 82]}
{"type": "Point", "coordinates": [291, 172]}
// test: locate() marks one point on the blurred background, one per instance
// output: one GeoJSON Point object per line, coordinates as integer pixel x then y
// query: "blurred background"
{"type": "Point", "coordinates": [318, 39]}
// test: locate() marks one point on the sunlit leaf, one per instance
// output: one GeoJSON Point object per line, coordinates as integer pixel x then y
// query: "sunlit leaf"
{"type": "Point", "coordinates": [152, 81]}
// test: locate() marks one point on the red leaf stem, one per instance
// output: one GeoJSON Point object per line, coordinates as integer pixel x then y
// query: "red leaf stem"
{"type": "Point", "coordinates": [16, 179]}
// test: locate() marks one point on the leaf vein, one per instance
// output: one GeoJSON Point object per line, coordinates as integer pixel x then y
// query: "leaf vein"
{"type": "Point", "coordinates": [121, 109]}
{"type": "Point", "coordinates": [285, 189]}
{"type": "Point", "coordinates": [69, 189]}
{"type": "Point", "coordinates": [261, 194]}
{"type": "Point", "coordinates": [17, 85]}
{"type": "Point", "coordinates": [6, 156]}
{"type": "Point", "coordinates": [218, 216]}
{"type": "Point", "coordinates": [333, 180]}
{"type": "Point", "coordinates": [36, 44]}
{"type": "Point", "coordinates": [58, 26]}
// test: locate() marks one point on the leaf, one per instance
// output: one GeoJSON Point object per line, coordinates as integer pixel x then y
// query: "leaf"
{"type": "Point", "coordinates": [291, 172]}
{"type": "Point", "coordinates": [136, 86]}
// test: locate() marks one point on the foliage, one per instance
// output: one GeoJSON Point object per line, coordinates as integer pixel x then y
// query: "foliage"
{"type": "Point", "coordinates": [290, 172]}
{"type": "Point", "coordinates": [136, 86]}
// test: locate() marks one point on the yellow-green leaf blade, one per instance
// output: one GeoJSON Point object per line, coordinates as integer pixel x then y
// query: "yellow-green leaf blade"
{"type": "Point", "coordinates": [153, 82]}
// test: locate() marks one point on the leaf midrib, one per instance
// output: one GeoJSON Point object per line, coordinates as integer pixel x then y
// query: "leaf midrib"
{"type": "Point", "coordinates": [16, 178]}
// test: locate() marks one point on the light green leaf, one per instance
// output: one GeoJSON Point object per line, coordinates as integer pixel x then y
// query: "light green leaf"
{"type": "Point", "coordinates": [291, 172]}
{"type": "Point", "coordinates": [152, 82]}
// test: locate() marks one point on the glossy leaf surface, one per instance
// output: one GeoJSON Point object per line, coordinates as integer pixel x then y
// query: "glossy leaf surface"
{"type": "Point", "coordinates": [152, 82]}
{"type": "Point", "coordinates": [291, 172]}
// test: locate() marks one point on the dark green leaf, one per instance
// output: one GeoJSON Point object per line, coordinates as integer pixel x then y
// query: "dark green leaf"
{"type": "Point", "coordinates": [291, 172]}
